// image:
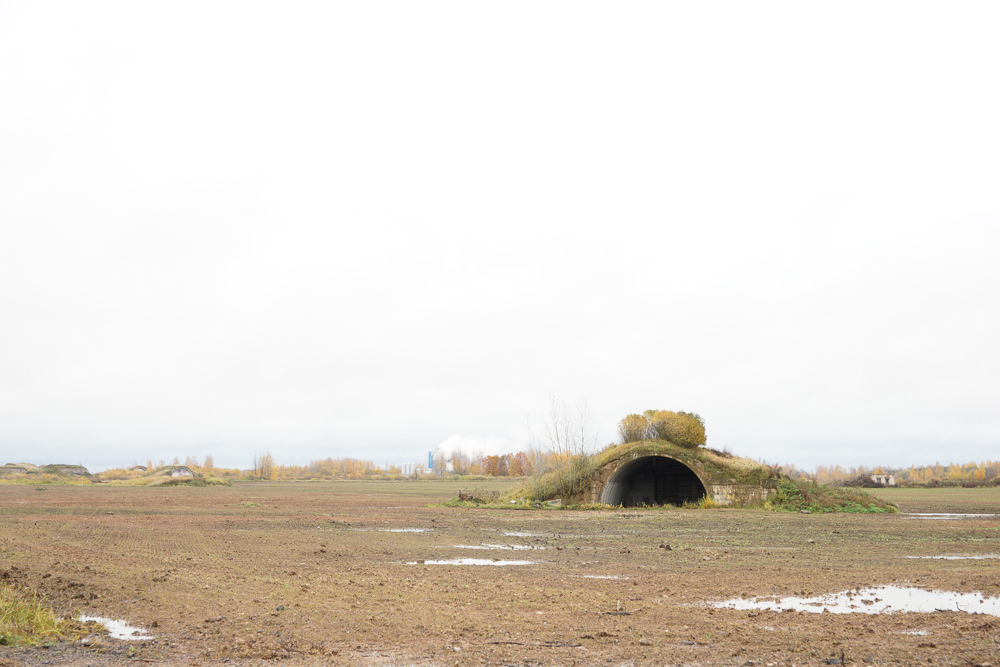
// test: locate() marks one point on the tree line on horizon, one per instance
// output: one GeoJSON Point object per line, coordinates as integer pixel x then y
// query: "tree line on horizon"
{"type": "Point", "coordinates": [983, 473]}
{"type": "Point", "coordinates": [566, 441]}
{"type": "Point", "coordinates": [264, 467]}
{"type": "Point", "coordinates": [526, 464]}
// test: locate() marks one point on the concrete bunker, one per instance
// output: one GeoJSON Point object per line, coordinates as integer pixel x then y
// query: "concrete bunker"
{"type": "Point", "coordinates": [653, 480]}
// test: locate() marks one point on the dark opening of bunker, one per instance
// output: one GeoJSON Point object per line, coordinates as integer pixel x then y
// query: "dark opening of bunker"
{"type": "Point", "coordinates": [652, 480]}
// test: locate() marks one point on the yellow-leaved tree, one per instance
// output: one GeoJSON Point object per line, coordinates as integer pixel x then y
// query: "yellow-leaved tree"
{"type": "Point", "coordinates": [633, 428]}
{"type": "Point", "coordinates": [686, 429]}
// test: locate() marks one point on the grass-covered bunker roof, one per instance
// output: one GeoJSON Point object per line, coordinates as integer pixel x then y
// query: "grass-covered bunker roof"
{"type": "Point", "coordinates": [652, 472]}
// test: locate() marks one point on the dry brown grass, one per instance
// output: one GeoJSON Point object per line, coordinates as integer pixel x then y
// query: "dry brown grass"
{"type": "Point", "coordinates": [27, 620]}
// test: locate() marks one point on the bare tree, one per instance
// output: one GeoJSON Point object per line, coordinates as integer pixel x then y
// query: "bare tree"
{"type": "Point", "coordinates": [460, 462]}
{"type": "Point", "coordinates": [558, 426]}
{"type": "Point", "coordinates": [440, 462]}
{"type": "Point", "coordinates": [572, 438]}
{"type": "Point", "coordinates": [586, 433]}
{"type": "Point", "coordinates": [536, 456]}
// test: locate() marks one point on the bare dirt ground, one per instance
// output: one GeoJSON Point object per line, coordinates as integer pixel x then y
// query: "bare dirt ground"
{"type": "Point", "coordinates": [312, 574]}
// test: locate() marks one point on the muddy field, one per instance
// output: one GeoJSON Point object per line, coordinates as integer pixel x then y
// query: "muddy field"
{"type": "Point", "coordinates": [345, 573]}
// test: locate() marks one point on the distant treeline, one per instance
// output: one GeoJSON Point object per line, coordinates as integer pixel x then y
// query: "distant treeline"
{"type": "Point", "coordinates": [984, 473]}
{"type": "Point", "coordinates": [520, 464]}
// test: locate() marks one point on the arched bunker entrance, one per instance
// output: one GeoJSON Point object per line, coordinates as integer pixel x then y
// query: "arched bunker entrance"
{"type": "Point", "coordinates": [652, 480]}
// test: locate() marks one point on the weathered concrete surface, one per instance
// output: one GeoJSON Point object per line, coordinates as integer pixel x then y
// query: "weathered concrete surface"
{"type": "Point", "coordinates": [731, 493]}
{"type": "Point", "coordinates": [647, 478]}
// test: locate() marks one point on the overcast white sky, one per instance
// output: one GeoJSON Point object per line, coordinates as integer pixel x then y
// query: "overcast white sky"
{"type": "Point", "coordinates": [369, 228]}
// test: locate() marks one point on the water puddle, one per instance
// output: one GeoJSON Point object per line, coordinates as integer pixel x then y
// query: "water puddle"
{"type": "Point", "coordinates": [502, 547]}
{"type": "Point", "coordinates": [875, 600]}
{"type": "Point", "coordinates": [405, 530]}
{"type": "Point", "coordinates": [394, 530]}
{"type": "Point", "coordinates": [119, 629]}
{"type": "Point", "coordinates": [977, 557]}
{"type": "Point", "coordinates": [944, 515]}
{"type": "Point", "coordinates": [527, 534]}
{"type": "Point", "coordinates": [472, 561]}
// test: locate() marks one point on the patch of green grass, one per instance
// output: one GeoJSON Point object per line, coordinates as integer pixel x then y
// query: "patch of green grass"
{"type": "Point", "coordinates": [591, 506]}
{"type": "Point", "coordinates": [798, 496]}
{"type": "Point", "coordinates": [245, 503]}
{"type": "Point", "coordinates": [24, 620]}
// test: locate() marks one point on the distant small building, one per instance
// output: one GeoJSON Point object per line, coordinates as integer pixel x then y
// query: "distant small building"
{"type": "Point", "coordinates": [418, 469]}
{"type": "Point", "coordinates": [884, 480]}
{"type": "Point", "coordinates": [181, 471]}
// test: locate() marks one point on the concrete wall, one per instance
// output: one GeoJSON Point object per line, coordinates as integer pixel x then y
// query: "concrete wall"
{"type": "Point", "coordinates": [731, 493]}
